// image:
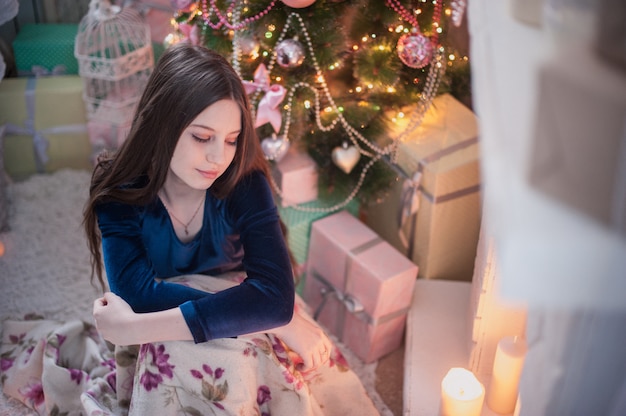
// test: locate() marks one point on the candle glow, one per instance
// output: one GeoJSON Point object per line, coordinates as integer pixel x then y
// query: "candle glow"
{"type": "Point", "coordinates": [461, 393]}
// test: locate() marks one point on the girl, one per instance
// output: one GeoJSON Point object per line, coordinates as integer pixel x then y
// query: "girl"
{"type": "Point", "coordinates": [196, 262]}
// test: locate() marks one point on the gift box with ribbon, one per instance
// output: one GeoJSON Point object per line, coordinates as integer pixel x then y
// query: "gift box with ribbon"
{"type": "Point", "coordinates": [41, 135]}
{"type": "Point", "coordinates": [358, 285]}
{"type": "Point", "coordinates": [46, 49]}
{"type": "Point", "coordinates": [433, 213]}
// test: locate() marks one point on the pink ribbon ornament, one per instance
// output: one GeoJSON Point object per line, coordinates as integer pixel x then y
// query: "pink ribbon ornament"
{"type": "Point", "coordinates": [268, 110]}
{"type": "Point", "coordinates": [191, 33]}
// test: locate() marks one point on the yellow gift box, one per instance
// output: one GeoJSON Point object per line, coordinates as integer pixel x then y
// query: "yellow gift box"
{"type": "Point", "coordinates": [433, 212]}
{"type": "Point", "coordinates": [45, 125]}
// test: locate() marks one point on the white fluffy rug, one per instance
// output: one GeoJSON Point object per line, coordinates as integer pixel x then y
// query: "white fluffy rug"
{"type": "Point", "coordinates": [45, 268]}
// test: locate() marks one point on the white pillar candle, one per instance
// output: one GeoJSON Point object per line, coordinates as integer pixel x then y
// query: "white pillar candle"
{"type": "Point", "coordinates": [507, 369]}
{"type": "Point", "coordinates": [461, 394]}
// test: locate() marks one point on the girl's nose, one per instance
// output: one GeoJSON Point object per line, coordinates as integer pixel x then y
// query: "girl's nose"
{"type": "Point", "coordinates": [215, 152]}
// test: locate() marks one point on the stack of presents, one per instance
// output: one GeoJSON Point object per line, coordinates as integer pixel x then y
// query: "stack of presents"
{"type": "Point", "coordinates": [43, 108]}
{"type": "Point", "coordinates": [52, 112]}
{"type": "Point", "coordinates": [359, 264]}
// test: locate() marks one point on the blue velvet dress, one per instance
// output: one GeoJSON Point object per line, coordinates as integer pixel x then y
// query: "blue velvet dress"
{"type": "Point", "coordinates": [240, 232]}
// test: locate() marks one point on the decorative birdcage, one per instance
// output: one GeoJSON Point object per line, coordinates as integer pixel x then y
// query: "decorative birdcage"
{"type": "Point", "coordinates": [115, 60]}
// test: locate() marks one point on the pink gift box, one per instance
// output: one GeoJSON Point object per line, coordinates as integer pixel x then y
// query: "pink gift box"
{"type": "Point", "coordinates": [358, 285]}
{"type": "Point", "coordinates": [296, 175]}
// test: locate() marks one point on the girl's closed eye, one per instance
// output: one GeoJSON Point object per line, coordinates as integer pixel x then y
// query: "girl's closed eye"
{"type": "Point", "coordinates": [201, 139]}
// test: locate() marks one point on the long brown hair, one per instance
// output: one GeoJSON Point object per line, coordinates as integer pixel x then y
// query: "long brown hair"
{"type": "Point", "coordinates": [186, 80]}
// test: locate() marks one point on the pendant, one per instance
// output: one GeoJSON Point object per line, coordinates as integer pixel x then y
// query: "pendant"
{"type": "Point", "coordinates": [345, 157]}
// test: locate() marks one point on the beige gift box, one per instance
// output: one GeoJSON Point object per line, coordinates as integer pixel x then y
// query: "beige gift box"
{"type": "Point", "coordinates": [46, 125]}
{"type": "Point", "coordinates": [434, 217]}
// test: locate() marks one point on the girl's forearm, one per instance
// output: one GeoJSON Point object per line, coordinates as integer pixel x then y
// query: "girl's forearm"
{"type": "Point", "coordinates": [119, 324]}
{"type": "Point", "coordinates": [167, 325]}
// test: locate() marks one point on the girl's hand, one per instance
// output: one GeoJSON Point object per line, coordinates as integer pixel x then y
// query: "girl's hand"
{"type": "Point", "coordinates": [114, 318]}
{"type": "Point", "coordinates": [118, 323]}
{"type": "Point", "coordinates": [305, 337]}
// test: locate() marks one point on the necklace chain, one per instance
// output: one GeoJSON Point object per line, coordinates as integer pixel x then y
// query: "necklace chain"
{"type": "Point", "coordinates": [186, 226]}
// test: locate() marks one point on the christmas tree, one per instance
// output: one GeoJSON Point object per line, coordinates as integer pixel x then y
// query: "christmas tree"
{"type": "Point", "coordinates": [330, 77]}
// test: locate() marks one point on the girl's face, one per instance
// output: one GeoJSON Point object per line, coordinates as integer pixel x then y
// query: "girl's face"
{"type": "Point", "coordinates": [207, 146]}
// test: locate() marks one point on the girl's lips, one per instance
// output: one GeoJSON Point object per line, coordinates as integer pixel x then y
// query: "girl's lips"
{"type": "Point", "coordinates": [209, 174]}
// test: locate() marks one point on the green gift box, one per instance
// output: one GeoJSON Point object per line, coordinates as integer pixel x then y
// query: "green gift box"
{"type": "Point", "coordinates": [45, 125]}
{"type": "Point", "coordinates": [46, 48]}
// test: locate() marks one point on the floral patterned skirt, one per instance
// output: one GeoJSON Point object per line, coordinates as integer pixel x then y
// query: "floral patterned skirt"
{"type": "Point", "coordinates": [66, 368]}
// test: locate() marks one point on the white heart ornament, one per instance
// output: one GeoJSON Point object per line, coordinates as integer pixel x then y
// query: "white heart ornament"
{"type": "Point", "coordinates": [275, 148]}
{"type": "Point", "coordinates": [346, 157]}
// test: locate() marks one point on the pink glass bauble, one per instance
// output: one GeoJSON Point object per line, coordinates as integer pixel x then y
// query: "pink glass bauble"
{"type": "Point", "coordinates": [414, 50]}
{"type": "Point", "coordinates": [298, 4]}
{"type": "Point", "coordinates": [289, 53]}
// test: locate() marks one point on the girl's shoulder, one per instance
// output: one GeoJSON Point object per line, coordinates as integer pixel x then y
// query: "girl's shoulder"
{"type": "Point", "coordinates": [252, 191]}
{"type": "Point", "coordinates": [252, 184]}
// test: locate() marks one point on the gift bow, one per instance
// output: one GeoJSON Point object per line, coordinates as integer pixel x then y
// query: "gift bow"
{"type": "Point", "coordinates": [267, 111]}
{"type": "Point", "coordinates": [40, 71]}
{"type": "Point", "coordinates": [352, 304]}
{"type": "Point", "coordinates": [409, 204]}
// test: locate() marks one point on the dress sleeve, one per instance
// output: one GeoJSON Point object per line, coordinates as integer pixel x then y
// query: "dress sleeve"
{"type": "Point", "coordinates": [265, 299]}
{"type": "Point", "coordinates": [129, 271]}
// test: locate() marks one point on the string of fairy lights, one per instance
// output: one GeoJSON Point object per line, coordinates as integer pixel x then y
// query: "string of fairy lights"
{"type": "Point", "coordinates": [418, 53]}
